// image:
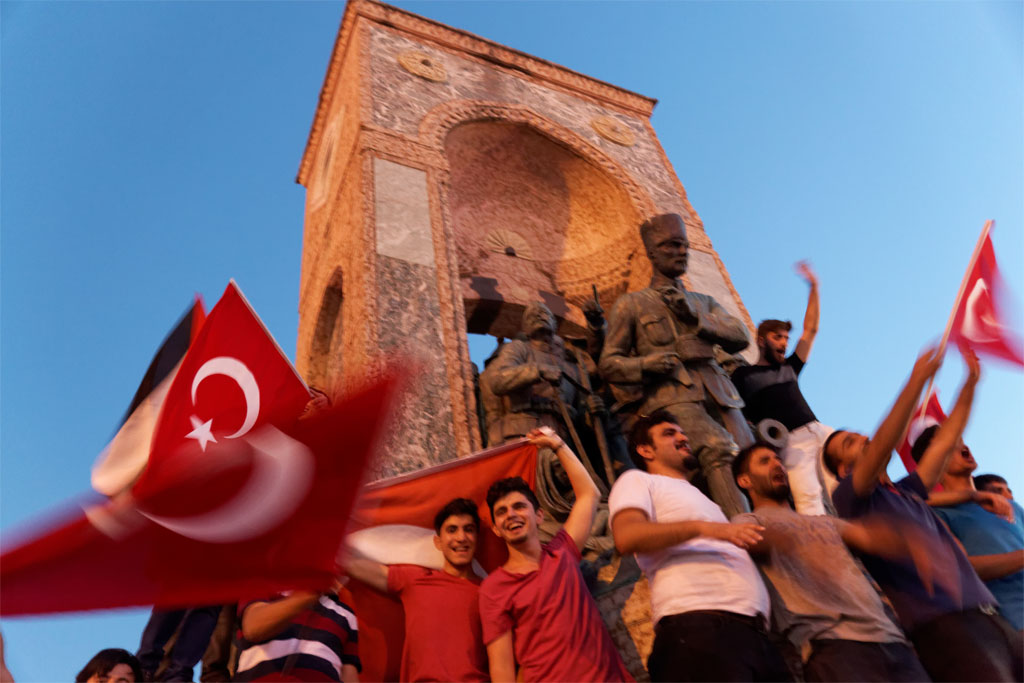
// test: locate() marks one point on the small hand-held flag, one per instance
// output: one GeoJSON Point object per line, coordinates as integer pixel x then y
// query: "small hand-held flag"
{"type": "Point", "coordinates": [929, 414]}
{"type": "Point", "coordinates": [978, 317]}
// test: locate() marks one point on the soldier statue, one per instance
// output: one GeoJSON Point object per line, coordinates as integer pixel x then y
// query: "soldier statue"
{"type": "Point", "coordinates": [539, 381]}
{"type": "Point", "coordinates": [660, 346]}
{"type": "Point", "coordinates": [535, 381]}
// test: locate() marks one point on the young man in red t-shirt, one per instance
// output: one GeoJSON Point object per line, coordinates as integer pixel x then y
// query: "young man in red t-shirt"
{"type": "Point", "coordinates": [536, 609]}
{"type": "Point", "coordinates": [442, 615]}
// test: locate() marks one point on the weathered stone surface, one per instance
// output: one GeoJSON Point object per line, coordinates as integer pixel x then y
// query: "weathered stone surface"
{"type": "Point", "coordinates": [422, 432]}
{"type": "Point", "coordinates": [703, 274]}
{"type": "Point", "coordinates": [624, 599]}
{"type": "Point", "coordinates": [403, 213]}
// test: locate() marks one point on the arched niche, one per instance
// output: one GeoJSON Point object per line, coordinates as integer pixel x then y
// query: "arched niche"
{"type": "Point", "coordinates": [534, 219]}
{"type": "Point", "coordinates": [325, 356]}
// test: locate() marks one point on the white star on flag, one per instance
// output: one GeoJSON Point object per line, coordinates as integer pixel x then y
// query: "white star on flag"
{"type": "Point", "coordinates": [201, 432]}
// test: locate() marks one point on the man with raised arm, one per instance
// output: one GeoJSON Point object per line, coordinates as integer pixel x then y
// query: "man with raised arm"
{"type": "Point", "coordinates": [824, 603]}
{"type": "Point", "coordinates": [770, 391]}
{"type": "Point", "coordinates": [956, 631]}
{"type": "Point", "coordinates": [994, 544]}
{"type": "Point", "coordinates": [708, 602]}
{"type": "Point", "coordinates": [443, 641]}
{"type": "Point", "coordinates": [536, 611]}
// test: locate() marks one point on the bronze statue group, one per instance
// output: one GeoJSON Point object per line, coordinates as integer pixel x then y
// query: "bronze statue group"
{"type": "Point", "coordinates": [789, 555]}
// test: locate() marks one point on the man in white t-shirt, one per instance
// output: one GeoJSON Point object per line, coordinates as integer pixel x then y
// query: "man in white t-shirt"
{"type": "Point", "coordinates": [708, 602]}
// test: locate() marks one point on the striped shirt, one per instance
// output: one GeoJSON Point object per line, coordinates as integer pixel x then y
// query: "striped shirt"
{"type": "Point", "coordinates": [313, 647]}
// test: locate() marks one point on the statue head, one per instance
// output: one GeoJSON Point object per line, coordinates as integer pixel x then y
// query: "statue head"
{"type": "Point", "coordinates": [538, 321]}
{"type": "Point", "coordinates": [664, 238]}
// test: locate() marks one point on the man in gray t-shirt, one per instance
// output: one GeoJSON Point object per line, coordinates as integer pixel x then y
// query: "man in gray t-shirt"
{"type": "Point", "coordinates": [823, 602]}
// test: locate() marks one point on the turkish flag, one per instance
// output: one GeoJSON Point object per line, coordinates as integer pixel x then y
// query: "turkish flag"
{"type": "Point", "coordinates": [932, 414]}
{"type": "Point", "coordinates": [413, 499]}
{"type": "Point", "coordinates": [244, 518]}
{"type": "Point", "coordinates": [978, 320]}
{"type": "Point", "coordinates": [233, 379]}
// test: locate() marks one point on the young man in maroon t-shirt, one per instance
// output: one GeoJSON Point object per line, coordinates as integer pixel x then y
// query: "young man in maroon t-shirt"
{"type": "Point", "coordinates": [536, 609]}
{"type": "Point", "coordinates": [443, 641]}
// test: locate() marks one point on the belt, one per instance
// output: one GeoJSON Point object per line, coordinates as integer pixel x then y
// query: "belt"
{"type": "Point", "coordinates": [756, 622]}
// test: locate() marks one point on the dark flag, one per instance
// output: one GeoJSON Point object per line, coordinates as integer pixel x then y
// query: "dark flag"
{"type": "Point", "coordinates": [126, 455]}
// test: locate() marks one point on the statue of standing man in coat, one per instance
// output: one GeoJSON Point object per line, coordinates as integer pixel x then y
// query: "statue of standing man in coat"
{"type": "Point", "coordinates": [661, 342]}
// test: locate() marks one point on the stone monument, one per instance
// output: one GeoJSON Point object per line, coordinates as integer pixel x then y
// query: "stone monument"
{"type": "Point", "coordinates": [450, 182]}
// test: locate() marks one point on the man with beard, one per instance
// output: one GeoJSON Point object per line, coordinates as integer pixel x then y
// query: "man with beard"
{"type": "Point", "coordinates": [660, 354]}
{"type": "Point", "coordinates": [443, 641]}
{"type": "Point", "coordinates": [770, 391]}
{"type": "Point", "coordinates": [536, 609]}
{"type": "Point", "coordinates": [994, 545]}
{"type": "Point", "coordinates": [708, 603]}
{"type": "Point", "coordinates": [956, 632]}
{"type": "Point", "coordinates": [824, 604]}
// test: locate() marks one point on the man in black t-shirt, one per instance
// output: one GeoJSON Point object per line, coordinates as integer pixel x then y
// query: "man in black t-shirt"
{"type": "Point", "coordinates": [770, 390]}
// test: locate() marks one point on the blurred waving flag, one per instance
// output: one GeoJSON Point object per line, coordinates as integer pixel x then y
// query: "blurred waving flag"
{"type": "Point", "coordinates": [234, 379]}
{"type": "Point", "coordinates": [393, 523]}
{"type": "Point", "coordinates": [929, 413]}
{"type": "Point", "coordinates": [241, 498]}
{"type": "Point", "coordinates": [126, 455]}
{"type": "Point", "coordinates": [978, 319]}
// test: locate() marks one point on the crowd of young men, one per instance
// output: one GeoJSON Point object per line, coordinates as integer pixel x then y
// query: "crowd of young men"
{"type": "Point", "coordinates": [771, 595]}
{"type": "Point", "coordinates": [919, 579]}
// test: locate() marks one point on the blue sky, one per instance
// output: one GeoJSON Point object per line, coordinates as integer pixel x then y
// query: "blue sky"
{"type": "Point", "coordinates": [149, 151]}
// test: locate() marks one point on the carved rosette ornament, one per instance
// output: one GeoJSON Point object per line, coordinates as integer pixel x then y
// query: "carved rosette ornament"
{"type": "Point", "coordinates": [423, 65]}
{"type": "Point", "coordinates": [613, 130]}
{"type": "Point", "coordinates": [510, 243]}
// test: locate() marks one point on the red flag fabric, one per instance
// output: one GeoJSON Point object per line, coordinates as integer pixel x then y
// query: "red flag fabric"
{"type": "Point", "coordinates": [414, 499]}
{"type": "Point", "coordinates": [978, 320]}
{"type": "Point", "coordinates": [243, 518]}
{"type": "Point", "coordinates": [922, 420]}
{"type": "Point", "coordinates": [233, 379]}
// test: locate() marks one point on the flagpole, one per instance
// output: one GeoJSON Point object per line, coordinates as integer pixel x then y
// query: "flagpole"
{"type": "Point", "coordinates": [956, 304]}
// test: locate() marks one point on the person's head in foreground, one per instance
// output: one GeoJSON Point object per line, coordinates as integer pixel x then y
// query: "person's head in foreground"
{"type": "Point", "coordinates": [658, 445]}
{"type": "Point", "coordinates": [772, 340]}
{"type": "Point", "coordinates": [455, 532]}
{"type": "Point", "coordinates": [759, 471]}
{"type": "Point", "coordinates": [515, 510]}
{"type": "Point", "coordinates": [961, 463]}
{"type": "Point", "coordinates": [841, 450]}
{"type": "Point", "coordinates": [112, 665]}
{"type": "Point", "coordinates": [993, 483]}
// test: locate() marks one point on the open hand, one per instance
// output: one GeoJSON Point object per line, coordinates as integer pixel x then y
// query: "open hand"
{"type": "Point", "coordinates": [994, 503]}
{"type": "Point", "coordinates": [928, 363]}
{"type": "Point", "coordinates": [803, 269]}
{"type": "Point", "coordinates": [971, 361]}
{"type": "Point", "coordinates": [742, 535]}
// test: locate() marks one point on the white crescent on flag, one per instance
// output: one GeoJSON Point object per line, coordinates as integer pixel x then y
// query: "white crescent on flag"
{"type": "Point", "coordinates": [236, 370]}
{"type": "Point", "coordinates": [980, 325]}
